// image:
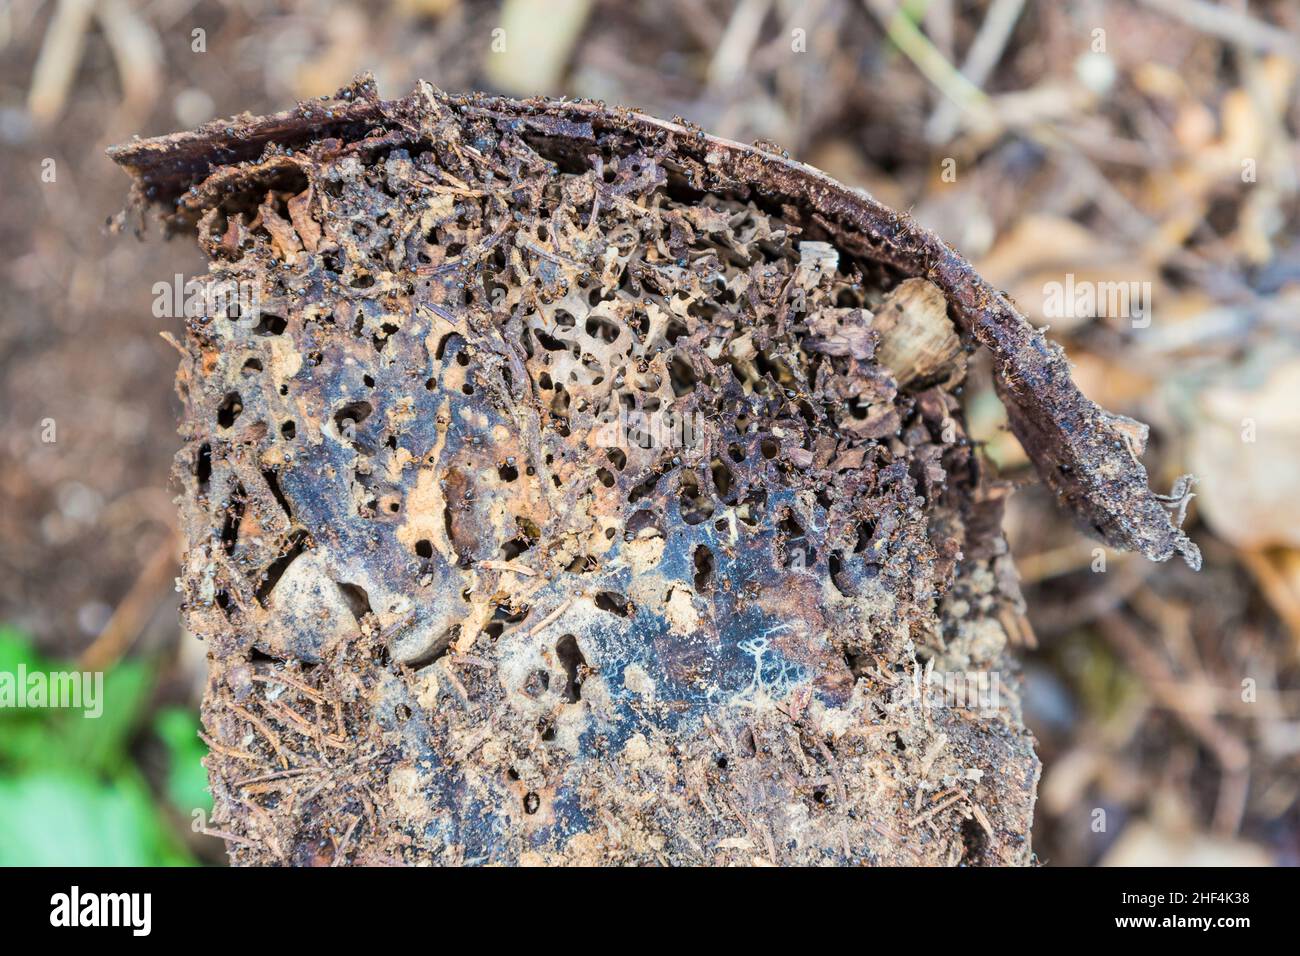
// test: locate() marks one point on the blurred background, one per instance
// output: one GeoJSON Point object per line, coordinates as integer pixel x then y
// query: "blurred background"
{"type": "Point", "coordinates": [1055, 145]}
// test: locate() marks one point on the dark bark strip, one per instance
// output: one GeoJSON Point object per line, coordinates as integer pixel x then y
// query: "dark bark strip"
{"type": "Point", "coordinates": [1088, 456]}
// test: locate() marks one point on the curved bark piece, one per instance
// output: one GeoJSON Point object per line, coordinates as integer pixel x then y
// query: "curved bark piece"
{"type": "Point", "coordinates": [1088, 456]}
{"type": "Point", "coordinates": [580, 488]}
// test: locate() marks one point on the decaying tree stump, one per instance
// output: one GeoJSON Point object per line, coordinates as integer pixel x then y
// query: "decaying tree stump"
{"type": "Point", "coordinates": [569, 486]}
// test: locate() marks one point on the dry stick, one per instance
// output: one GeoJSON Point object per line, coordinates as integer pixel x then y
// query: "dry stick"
{"type": "Point", "coordinates": [1275, 140]}
{"type": "Point", "coordinates": [1054, 562]}
{"type": "Point", "coordinates": [1173, 623]}
{"type": "Point", "coordinates": [224, 835]}
{"type": "Point", "coordinates": [289, 682]}
{"type": "Point", "coordinates": [953, 796]}
{"type": "Point", "coordinates": [341, 850]}
{"type": "Point", "coordinates": [549, 48]}
{"type": "Point", "coordinates": [305, 727]}
{"type": "Point", "coordinates": [1082, 153]}
{"type": "Point", "coordinates": [696, 18]}
{"type": "Point", "coordinates": [983, 55]}
{"type": "Point", "coordinates": [1277, 591]}
{"type": "Point", "coordinates": [277, 775]}
{"type": "Point", "coordinates": [981, 817]}
{"type": "Point", "coordinates": [554, 616]}
{"type": "Point", "coordinates": [507, 566]}
{"type": "Point", "coordinates": [135, 609]}
{"type": "Point", "coordinates": [841, 791]}
{"type": "Point", "coordinates": [137, 55]}
{"type": "Point", "coordinates": [934, 66]}
{"type": "Point", "coordinates": [267, 732]}
{"type": "Point", "coordinates": [938, 20]}
{"type": "Point", "coordinates": [1209, 698]}
{"type": "Point", "coordinates": [227, 751]}
{"type": "Point", "coordinates": [57, 63]}
{"type": "Point", "coordinates": [1231, 25]}
{"type": "Point", "coordinates": [737, 42]}
{"type": "Point", "coordinates": [264, 819]}
{"type": "Point", "coordinates": [1229, 750]}
{"type": "Point", "coordinates": [1117, 588]}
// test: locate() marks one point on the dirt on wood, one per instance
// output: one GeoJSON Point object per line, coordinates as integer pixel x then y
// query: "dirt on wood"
{"type": "Point", "coordinates": [568, 486]}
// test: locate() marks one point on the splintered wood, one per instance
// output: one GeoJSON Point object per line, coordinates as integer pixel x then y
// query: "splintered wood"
{"type": "Point", "coordinates": [570, 487]}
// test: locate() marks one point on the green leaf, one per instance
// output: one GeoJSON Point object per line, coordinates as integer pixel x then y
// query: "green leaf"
{"type": "Point", "coordinates": [51, 738]}
{"type": "Point", "coordinates": [27, 740]}
{"type": "Point", "coordinates": [24, 734]}
{"type": "Point", "coordinates": [69, 819]}
{"type": "Point", "coordinates": [99, 743]}
{"type": "Point", "coordinates": [187, 780]}
{"type": "Point", "coordinates": [16, 648]}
